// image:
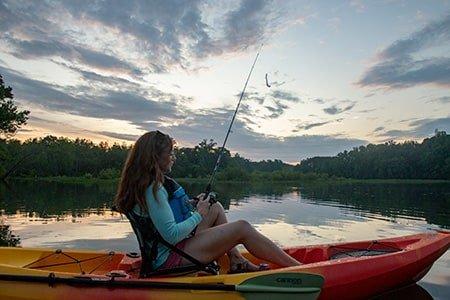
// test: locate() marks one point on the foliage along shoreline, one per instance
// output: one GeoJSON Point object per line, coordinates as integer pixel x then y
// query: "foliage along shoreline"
{"type": "Point", "coordinates": [267, 177]}
{"type": "Point", "coordinates": [95, 180]}
{"type": "Point", "coordinates": [53, 157]}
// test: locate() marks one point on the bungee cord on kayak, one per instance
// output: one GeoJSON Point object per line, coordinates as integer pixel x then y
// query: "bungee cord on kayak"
{"type": "Point", "coordinates": [38, 264]}
{"type": "Point", "coordinates": [347, 251]}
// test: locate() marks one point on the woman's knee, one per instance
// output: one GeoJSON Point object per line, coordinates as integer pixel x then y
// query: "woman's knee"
{"type": "Point", "coordinates": [217, 206]}
{"type": "Point", "coordinates": [244, 226]}
{"type": "Point", "coordinates": [244, 230]}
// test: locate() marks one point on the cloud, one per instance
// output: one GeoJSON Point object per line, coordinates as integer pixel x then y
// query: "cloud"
{"type": "Point", "coordinates": [339, 107]}
{"type": "Point", "coordinates": [406, 72]}
{"type": "Point", "coordinates": [57, 127]}
{"type": "Point", "coordinates": [24, 130]}
{"type": "Point", "coordinates": [425, 127]}
{"type": "Point", "coordinates": [405, 120]}
{"type": "Point", "coordinates": [279, 102]}
{"type": "Point", "coordinates": [135, 36]}
{"type": "Point", "coordinates": [379, 129]}
{"type": "Point", "coordinates": [157, 28]}
{"type": "Point", "coordinates": [257, 146]}
{"type": "Point", "coordinates": [102, 42]}
{"type": "Point", "coordinates": [398, 65]}
{"type": "Point", "coordinates": [120, 136]}
{"type": "Point", "coordinates": [309, 126]}
{"type": "Point", "coordinates": [295, 148]}
{"type": "Point", "coordinates": [128, 105]}
{"type": "Point", "coordinates": [286, 96]}
{"type": "Point", "coordinates": [246, 25]}
{"type": "Point", "coordinates": [443, 99]}
{"type": "Point", "coordinates": [419, 128]}
{"type": "Point", "coordinates": [104, 61]}
{"type": "Point", "coordinates": [35, 49]}
{"type": "Point", "coordinates": [278, 110]}
{"type": "Point", "coordinates": [395, 133]}
{"type": "Point", "coordinates": [319, 100]}
{"type": "Point", "coordinates": [255, 96]}
{"type": "Point", "coordinates": [277, 83]}
{"type": "Point", "coordinates": [93, 78]}
{"type": "Point", "coordinates": [336, 109]}
{"type": "Point", "coordinates": [367, 110]}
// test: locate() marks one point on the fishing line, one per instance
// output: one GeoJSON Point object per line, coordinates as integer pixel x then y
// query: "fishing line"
{"type": "Point", "coordinates": [219, 157]}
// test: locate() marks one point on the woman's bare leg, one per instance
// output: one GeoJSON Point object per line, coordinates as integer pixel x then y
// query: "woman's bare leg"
{"type": "Point", "coordinates": [215, 217]}
{"type": "Point", "coordinates": [211, 243]}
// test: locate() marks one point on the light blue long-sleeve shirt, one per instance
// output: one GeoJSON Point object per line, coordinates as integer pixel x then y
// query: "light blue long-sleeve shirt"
{"type": "Point", "coordinates": [162, 216]}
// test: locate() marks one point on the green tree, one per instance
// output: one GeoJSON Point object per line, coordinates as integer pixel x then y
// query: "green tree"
{"type": "Point", "coordinates": [11, 118]}
{"type": "Point", "coordinates": [7, 238]}
{"type": "Point", "coordinates": [409, 160]}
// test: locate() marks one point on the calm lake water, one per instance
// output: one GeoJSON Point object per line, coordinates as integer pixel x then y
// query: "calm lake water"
{"type": "Point", "coordinates": [78, 216]}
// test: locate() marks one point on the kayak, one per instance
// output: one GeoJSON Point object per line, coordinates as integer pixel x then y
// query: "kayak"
{"type": "Point", "coordinates": [349, 270]}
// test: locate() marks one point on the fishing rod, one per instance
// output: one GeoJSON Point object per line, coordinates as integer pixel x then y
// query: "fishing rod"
{"type": "Point", "coordinates": [219, 157]}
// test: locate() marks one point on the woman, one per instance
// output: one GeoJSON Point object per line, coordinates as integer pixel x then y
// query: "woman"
{"type": "Point", "coordinates": [143, 190]}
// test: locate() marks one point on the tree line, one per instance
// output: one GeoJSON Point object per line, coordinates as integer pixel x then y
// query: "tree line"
{"type": "Point", "coordinates": [429, 159]}
{"type": "Point", "coordinates": [52, 156]}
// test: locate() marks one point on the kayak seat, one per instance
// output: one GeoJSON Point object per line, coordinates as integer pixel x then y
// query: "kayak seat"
{"type": "Point", "coordinates": [148, 238]}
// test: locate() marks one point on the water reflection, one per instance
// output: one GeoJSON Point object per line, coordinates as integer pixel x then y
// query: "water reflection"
{"type": "Point", "coordinates": [55, 200]}
{"type": "Point", "coordinates": [60, 215]}
{"type": "Point", "coordinates": [429, 202]}
{"type": "Point", "coordinates": [414, 291]}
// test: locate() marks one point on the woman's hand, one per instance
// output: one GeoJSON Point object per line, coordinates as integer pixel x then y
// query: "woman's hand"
{"type": "Point", "coordinates": [195, 200]}
{"type": "Point", "coordinates": [203, 205]}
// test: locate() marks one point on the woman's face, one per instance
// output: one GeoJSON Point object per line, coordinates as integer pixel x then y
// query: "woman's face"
{"type": "Point", "coordinates": [168, 159]}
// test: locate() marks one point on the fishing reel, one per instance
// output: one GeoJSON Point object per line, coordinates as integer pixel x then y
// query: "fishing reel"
{"type": "Point", "coordinates": [212, 198]}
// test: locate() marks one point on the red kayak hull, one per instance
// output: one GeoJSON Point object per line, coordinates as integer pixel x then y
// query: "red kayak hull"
{"type": "Point", "coordinates": [360, 278]}
{"type": "Point", "coordinates": [384, 265]}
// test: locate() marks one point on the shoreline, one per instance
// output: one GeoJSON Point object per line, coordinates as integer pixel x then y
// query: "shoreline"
{"type": "Point", "coordinates": [83, 180]}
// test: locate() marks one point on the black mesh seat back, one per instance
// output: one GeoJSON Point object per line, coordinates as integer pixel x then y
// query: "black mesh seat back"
{"type": "Point", "coordinates": [146, 235]}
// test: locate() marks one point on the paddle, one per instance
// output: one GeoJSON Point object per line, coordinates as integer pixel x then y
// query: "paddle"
{"type": "Point", "coordinates": [268, 286]}
{"type": "Point", "coordinates": [282, 285]}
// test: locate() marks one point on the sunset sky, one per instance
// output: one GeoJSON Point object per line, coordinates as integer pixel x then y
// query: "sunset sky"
{"type": "Point", "coordinates": [342, 73]}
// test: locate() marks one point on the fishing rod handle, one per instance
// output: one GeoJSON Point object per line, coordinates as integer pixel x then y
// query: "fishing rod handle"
{"type": "Point", "coordinates": [212, 198]}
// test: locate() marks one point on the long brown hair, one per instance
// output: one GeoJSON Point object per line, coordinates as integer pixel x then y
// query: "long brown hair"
{"type": "Point", "coordinates": [142, 168]}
